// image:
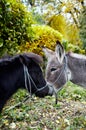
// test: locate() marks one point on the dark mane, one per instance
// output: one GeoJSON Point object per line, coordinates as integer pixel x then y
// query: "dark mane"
{"type": "Point", "coordinates": [35, 57]}
{"type": "Point", "coordinates": [8, 60]}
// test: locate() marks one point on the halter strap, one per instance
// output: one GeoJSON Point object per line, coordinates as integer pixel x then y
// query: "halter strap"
{"type": "Point", "coordinates": [64, 68]}
{"type": "Point", "coordinates": [28, 78]}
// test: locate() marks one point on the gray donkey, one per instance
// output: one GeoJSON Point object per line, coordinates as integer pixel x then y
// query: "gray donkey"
{"type": "Point", "coordinates": [63, 67]}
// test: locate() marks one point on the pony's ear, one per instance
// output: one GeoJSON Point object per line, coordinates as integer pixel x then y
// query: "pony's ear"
{"type": "Point", "coordinates": [35, 57]}
{"type": "Point", "coordinates": [28, 57]}
{"type": "Point", "coordinates": [24, 60]}
{"type": "Point", "coordinates": [48, 52]}
{"type": "Point", "coordinates": [59, 50]}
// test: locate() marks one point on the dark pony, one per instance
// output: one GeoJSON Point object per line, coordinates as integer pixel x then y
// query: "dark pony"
{"type": "Point", "coordinates": [21, 71]}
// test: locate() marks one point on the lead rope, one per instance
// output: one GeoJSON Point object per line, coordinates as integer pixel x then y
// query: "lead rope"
{"type": "Point", "coordinates": [55, 93]}
{"type": "Point", "coordinates": [27, 76]}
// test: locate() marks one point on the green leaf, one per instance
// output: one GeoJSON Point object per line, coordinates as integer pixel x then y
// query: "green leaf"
{"type": "Point", "coordinates": [1, 42]}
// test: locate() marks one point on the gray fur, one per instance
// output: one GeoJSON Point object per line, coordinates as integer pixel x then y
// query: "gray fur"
{"type": "Point", "coordinates": [63, 67]}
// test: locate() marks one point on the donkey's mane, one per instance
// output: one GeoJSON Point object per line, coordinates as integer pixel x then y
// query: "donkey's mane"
{"type": "Point", "coordinates": [7, 60]}
{"type": "Point", "coordinates": [77, 56]}
{"type": "Point", "coordinates": [77, 60]}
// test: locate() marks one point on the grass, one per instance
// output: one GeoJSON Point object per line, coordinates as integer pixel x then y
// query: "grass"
{"type": "Point", "coordinates": [44, 114]}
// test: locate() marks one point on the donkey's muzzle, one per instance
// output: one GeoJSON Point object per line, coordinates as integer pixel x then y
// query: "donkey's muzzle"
{"type": "Point", "coordinates": [51, 90]}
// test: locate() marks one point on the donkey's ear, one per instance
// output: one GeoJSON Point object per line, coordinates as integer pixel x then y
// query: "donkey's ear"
{"type": "Point", "coordinates": [47, 52]}
{"type": "Point", "coordinates": [60, 53]}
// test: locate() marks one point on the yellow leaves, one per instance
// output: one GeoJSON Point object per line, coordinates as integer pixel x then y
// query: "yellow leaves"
{"type": "Point", "coordinates": [81, 0]}
{"type": "Point", "coordinates": [43, 36]}
{"type": "Point", "coordinates": [45, 31]}
{"type": "Point", "coordinates": [69, 31]}
{"type": "Point", "coordinates": [58, 22]}
{"type": "Point", "coordinates": [73, 34]}
{"type": "Point", "coordinates": [69, 7]}
{"type": "Point", "coordinates": [6, 122]}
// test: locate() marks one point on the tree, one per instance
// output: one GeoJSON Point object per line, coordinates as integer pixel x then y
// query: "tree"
{"type": "Point", "coordinates": [58, 22]}
{"type": "Point", "coordinates": [82, 21]}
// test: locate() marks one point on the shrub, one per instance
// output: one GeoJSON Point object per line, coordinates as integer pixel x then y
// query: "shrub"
{"type": "Point", "coordinates": [44, 36]}
{"type": "Point", "coordinates": [15, 23]}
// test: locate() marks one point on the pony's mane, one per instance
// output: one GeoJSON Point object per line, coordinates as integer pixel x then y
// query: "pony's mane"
{"type": "Point", "coordinates": [37, 58]}
{"type": "Point", "coordinates": [9, 59]}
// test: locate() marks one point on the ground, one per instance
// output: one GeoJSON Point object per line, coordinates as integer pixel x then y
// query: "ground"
{"type": "Point", "coordinates": [44, 114]}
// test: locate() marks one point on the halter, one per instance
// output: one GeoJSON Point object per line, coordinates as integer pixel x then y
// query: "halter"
{"type": "Point", "coordinates": [29, 79]}
{"type": "Point", "coordinates": [64, 69]}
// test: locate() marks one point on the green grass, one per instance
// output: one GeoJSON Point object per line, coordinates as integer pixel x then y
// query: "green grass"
{"type": "Point", "coordinates": [73, 91]}
{"type": "Point", "coordinates": [44, 114]}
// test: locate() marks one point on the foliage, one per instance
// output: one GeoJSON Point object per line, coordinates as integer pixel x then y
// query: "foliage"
{"type": "Point", "coordinates": [70, 32]}
{"type": "Point", "coordinates": [38, 18]}
{"type": "Point", "coordinates": [15, 22]}
{"type": "Point", "coordinates": [44, 36]}
{"type": "Point", "coordinates": [41, 114]}
{"type": "Point", "coordinates": [82, 21]}
{"type": "Point", "coordinates": [18, 32]}
{"type": "Point", "coordinates": [73, 35]}
{"type": "Point", "coordinates": [72, 47]}
{"type": "Point", "coordinates": [71, 9]}
{"type": "Point", "coordinates": [58, 22]}
{"type": "Point", "coordinates": [63, 17]}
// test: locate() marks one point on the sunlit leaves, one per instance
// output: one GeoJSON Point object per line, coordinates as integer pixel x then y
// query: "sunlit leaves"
{"type": "Point", "coordinates": [73, 34]}
{"type": "Point", "coordinates": [69, 7]}
{"type": "Point", "coordinates": [43, 36]}
{"type": "Point", "coordinates": [59, 23]}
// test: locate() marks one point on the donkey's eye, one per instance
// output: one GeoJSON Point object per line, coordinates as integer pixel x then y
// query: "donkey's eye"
{"type": "Point", "coordinates": [53, 69]}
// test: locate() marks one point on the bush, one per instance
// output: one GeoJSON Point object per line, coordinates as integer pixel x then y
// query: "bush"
{"type": "Point", "coordinates": [44, 36]}
{"type": "Point", "coordinates": [82, 21]}
{"type": "Point", "coordinates": [15, 23]}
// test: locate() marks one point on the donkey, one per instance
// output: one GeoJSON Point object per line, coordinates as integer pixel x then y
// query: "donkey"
{"type": "Point", "coordinates": [63, 67]}
{"type": "Point", "coordinates": [22, 71]}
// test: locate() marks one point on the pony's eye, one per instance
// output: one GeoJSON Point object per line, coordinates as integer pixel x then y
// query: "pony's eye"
{"type": "Point", "coordinates": [53, 69]}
